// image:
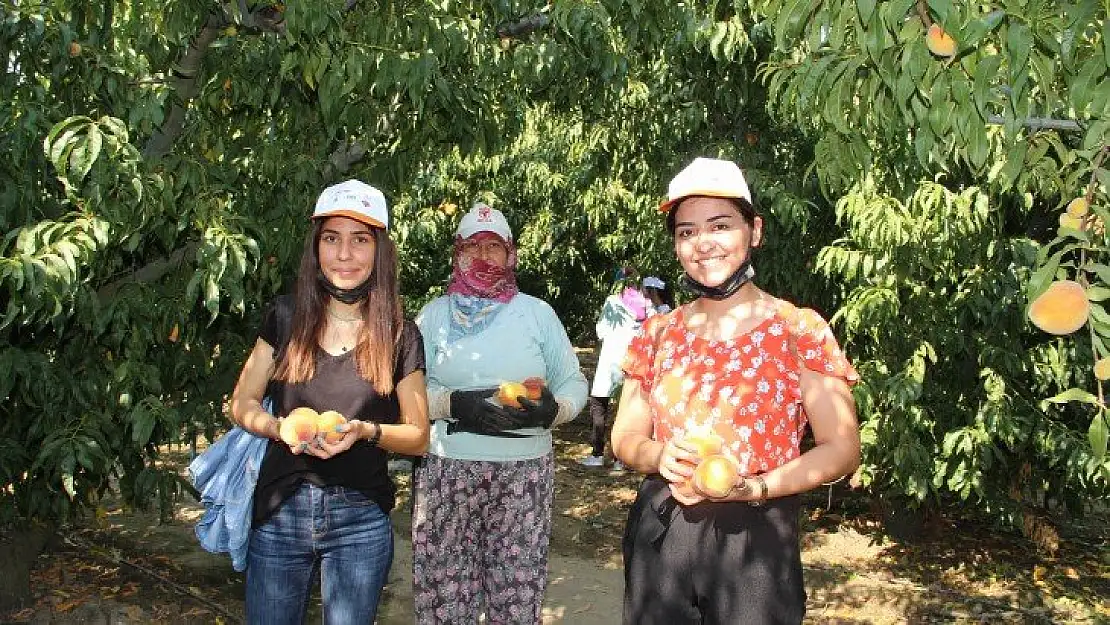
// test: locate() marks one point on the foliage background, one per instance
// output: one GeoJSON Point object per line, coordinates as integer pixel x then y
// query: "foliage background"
{"type": "Point", "coordinates": [162, 159]}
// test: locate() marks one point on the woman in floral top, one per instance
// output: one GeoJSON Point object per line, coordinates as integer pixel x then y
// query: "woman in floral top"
{"type": "Point", "coordinates": [749, 371]}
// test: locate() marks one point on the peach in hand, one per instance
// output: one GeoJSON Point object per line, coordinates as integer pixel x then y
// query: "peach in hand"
{"type": "Point", "coordinates": [325, 425]}
{"type": "Point", "coordinates": [299, 426]}
{"type": "Point", "coordinates": [706, 444]}
{"type": "Point", "coordinates": [508, 392]}
{"type": "Point", "coordinates": [534, 388]}
{"type": "Point", "coordinates": [716, 475]}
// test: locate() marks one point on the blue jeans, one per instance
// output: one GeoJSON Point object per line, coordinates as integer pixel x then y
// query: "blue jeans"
{"type": "Point", "coordinates": [334, 530]}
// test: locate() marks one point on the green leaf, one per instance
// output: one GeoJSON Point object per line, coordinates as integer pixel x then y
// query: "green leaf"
{"type": "Point", "coordinates": [1043, 276]}
{"type": "Point", "coordinates": [1019, 40]}
{"type": "Point", "coordinates": [1098, 434]}
{"type": "Point", "coordinates": [1097, 293]}
{"type": "Point", "coordinates": [865, 8]}
{"type": "Point", "coordinates": [942, 8]}
{"type": "Point", "coordinates": [1074, 395]}
{"type": "Point", "coordinates": [979, 27]}
{"type": "Point", "coordinates": [85, 153]}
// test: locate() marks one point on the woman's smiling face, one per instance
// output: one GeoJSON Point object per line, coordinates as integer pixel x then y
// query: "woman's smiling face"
{"type": "Point", "coordinates": [712, 238]}
{"type": "Point", "coordinates": [346, 251]}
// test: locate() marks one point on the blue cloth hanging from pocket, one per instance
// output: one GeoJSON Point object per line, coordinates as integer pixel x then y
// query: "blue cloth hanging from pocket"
{"type": "Point", "coordinates": [225, 475]}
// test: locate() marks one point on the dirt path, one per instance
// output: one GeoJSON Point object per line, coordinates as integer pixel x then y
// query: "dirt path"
{"type": "Point", "coordinates": [583, 592]}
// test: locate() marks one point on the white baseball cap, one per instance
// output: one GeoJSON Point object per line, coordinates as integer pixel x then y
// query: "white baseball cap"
{"type": "Point", "coordinates": [482, 218]}
{"type": "Point", "coordinates": [712, 177]}
{"type": "Point", "coordinates": [354, 199]}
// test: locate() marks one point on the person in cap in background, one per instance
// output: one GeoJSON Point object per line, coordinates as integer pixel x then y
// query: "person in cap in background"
{"type": "Point", "coordinates": [483, 494]}
{"type": "Point", "coordinates": [338, 343]}
{"type": "Point", "coordinates": [618, 322]}
{"type": "Point", "coordinates": [659, 295]}
{"type": "Point", "coordinates": [739, 373]}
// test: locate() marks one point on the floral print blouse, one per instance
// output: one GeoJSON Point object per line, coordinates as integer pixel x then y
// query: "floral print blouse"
{"type": "Point", "coordinates": [745, 390]}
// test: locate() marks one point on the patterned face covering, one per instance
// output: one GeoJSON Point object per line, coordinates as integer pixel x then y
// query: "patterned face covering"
{"type": "Point", "coordinates": [474, 276]}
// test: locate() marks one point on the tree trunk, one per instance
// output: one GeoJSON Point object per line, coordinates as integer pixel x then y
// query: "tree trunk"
{"type": "Point", "coordinates": [18, 550]}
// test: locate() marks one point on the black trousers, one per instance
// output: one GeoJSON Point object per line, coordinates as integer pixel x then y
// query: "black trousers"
{"type": "Point", "coordinates": [712, 563]}
{"type": "Point", "coordinates": [599, 415]}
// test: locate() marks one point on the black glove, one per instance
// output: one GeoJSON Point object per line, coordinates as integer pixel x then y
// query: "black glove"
{"type": "Point", "coordinates": [539, 413]}
{"type": "Point", "coordinates": [474, 411]}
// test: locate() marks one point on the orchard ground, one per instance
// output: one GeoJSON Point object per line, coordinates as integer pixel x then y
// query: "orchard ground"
{"type": "Point", "coordinates": [126, 567]}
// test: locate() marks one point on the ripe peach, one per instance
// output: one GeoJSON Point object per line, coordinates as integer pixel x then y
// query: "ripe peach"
{"type": "Point", "coordinates": [299, 426]}
{"type": "Point", "coordinates": [716, 475]}
{"type": "Point", "coordinates": [1102, 369]}
{"type": "Point", "coordinates": [706, 444]}
{"type": "Point", "coordinates": [325, 425]}
{"type": "Point", "coordinates": [1062, 309]}
{"type": "Point", "coordinates": [534, 387]}
{"type": "Point", "coordinates": [1067, 220]}
{"type": "Point", "coordinates": [939, 42]}
{"type": "Point", "coordinates": [1078, 207]}
{"type": "Point", "coordinates": [508, 393]}
{"type": "Point", "coordinates": [175, 333]}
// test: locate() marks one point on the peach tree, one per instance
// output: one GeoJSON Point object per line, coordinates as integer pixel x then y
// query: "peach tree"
{"type": "Point", "coordinates": [951, 136]}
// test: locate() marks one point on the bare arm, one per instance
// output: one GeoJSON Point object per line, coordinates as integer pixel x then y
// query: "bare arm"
{"type": "Point", "coordinates": [832, 415]}
{"type": "Point", "coordinates": [632, 435]}
{"type": "Point", "coordinates": [411, 435]}
{"type": "Point", "coordinates": [246, 399]}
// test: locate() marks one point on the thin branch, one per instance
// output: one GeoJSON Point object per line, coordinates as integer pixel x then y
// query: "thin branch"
{"type": "Point", "coordinates": [148, 273]}
{"type": "Point", "coordinates": [1040, 123]}
{"type": "Point", "coordinates": [524, 27]}
{"type": "Point", "coordinates": [923, 12]}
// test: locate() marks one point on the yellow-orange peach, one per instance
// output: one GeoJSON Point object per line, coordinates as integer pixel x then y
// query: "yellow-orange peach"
{"type": "Point", "coordinates": [533, 387]}
{"type": "Point", "coordinates": [299, 426]}
{"type": "Point", "coordinates": [508, 393]}
{"type": "Point", "coordinates": [1102, 369]}
{"type": "Point", "coordinates": [706, 444]}
{"type": "Point", "coordinates": [1078, 207]}
{"type": "Point", "coordinates": [716, 475]}
{"type": "Point", "coordinates": [1067, 220]}
{"type": "Point", "coordinates": [325, 425]}
{"type": "Point", "coordinates": [939, 42]}
{"type": "Point", "coordinates": [1062, 309]}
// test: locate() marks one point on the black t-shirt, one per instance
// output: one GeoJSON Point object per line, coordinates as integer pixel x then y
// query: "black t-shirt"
{"type": "Point", "coordinates": [336, 386]}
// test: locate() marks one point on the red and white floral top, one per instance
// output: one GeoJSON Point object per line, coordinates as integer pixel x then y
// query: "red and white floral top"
{"type": "Point", "coordinates": [744, 390]}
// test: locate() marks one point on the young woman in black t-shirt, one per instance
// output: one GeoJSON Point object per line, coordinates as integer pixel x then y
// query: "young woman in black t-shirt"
{"type": "Point", "coordinates": [339, 343]}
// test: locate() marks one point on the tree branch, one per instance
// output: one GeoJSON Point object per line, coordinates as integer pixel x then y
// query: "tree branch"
{"type": "Point", "coordinates": [344, 156]}
{"type": "Point", "coordinates": [186, 84]}
{"type": "Point", "coordinates": [148, 273]}
{"type": "Point", "coordinates": [923, 12]}
{"type": "Point", "coordinates": [524, 27]}
{"type": "Point", "coordinates": [1040, 123]}
{"type": "Point", "coordinates": [186, 72]}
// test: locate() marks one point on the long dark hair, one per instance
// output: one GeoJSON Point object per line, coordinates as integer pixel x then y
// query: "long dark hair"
{"type": "Point", "coordinates": [381, 316]}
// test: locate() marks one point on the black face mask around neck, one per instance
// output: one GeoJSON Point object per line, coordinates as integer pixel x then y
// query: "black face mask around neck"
{"type": "Point", "coordinates": [726, 289]}
{"type": "Point", "coordinates": [347, 296]}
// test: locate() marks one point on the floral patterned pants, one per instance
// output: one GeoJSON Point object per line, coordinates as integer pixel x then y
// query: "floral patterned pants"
{"type": "Point", "coordinates": [480, 533]}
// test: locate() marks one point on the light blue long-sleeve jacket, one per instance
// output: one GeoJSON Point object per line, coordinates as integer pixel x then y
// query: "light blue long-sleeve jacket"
{"type": "Point", "coordinates": [526, 339]}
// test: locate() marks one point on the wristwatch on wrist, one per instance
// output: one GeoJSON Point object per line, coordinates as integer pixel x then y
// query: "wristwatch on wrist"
{"type": "Point", "coordinates": [377, 435]}
{"type": "Point", "coordinates": [762, 499]}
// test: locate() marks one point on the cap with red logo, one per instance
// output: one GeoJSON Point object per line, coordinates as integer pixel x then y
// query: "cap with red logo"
{"type": "Point", "coordinates": [354, 199]}
{"type": "Point", "coordinates": [482, 218]}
